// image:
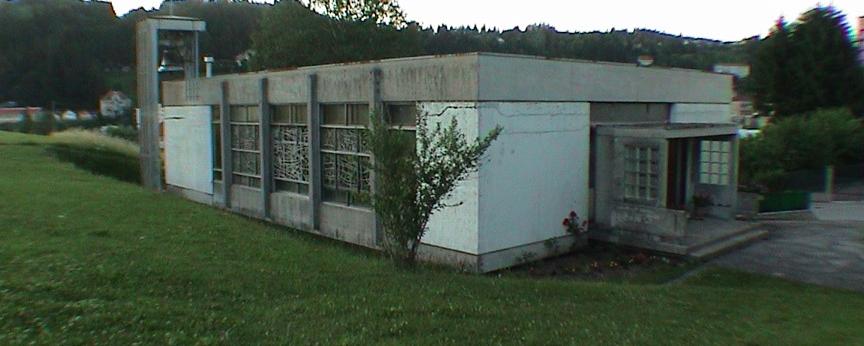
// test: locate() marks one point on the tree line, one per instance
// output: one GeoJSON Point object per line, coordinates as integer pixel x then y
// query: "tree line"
{"type": "Point", "coordinates": [69, 52]}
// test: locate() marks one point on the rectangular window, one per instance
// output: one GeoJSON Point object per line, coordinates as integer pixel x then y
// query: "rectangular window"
{"type": "Point", "coordinates": [401, 116]}
{"type": "Point", "coordinates": [245, 145]}
{"type": "Point", "coordinates": [344, 154]}
{"type": "Point", "coordinates": [290, 148]}
{"type": "Point", "coordinates": [217, 142]}
{"type": "Point", "coordinates": [714, 162]}
{"type": "Point", "coordinates": [641, 173]}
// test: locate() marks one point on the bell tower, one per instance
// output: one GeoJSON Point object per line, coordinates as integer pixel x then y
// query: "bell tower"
{"type": "Point", "coordinates": [165, 44]}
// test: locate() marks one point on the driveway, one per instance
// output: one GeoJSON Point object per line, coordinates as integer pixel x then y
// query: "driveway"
{"type": "Point", "coordinates": [823, 252]}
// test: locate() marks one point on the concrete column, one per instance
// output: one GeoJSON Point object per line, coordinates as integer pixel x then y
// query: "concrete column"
{"type": "Point", "coordinates": [266, 147]}
{"type": "Point", "coordinates": [227, 164]}
{"type": "Point", "coordinates": [732, 188]}
{"type": "Point", "coordinates": [148, 100]}
{"type": "Point", "coordinates": [376, 108]}
{"type": "Point", "coordinates": [314, 124]}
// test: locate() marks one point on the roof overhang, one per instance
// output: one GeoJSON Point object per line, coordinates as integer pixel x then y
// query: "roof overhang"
{"type": "Point", "coordinates": [668, 131]}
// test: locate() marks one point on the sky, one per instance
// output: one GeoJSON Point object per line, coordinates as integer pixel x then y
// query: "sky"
{"type": "Point", "coordinates": [727, 20]}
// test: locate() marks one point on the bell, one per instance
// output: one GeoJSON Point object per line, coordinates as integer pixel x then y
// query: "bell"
{"type": "Point", "coordinates": [171, 62]}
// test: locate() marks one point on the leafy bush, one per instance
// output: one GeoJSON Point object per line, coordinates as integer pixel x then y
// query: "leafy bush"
{"type": "Point", "coordinates": [414, 181]}
{"type": "Point", "coordinates": [804, 142]}
{"type": "Point", "coordinates": [43, 124]}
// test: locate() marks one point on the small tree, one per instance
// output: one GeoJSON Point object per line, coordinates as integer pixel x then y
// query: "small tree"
{"type": "Point", "coordinates": [413, 181]}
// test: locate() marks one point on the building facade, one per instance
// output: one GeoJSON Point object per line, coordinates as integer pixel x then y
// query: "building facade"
{"type": "Point", "coordinates": [624, 146]}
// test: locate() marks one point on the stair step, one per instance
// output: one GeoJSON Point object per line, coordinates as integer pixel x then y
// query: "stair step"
{"type": "Point", "coordinates": [726, 244]}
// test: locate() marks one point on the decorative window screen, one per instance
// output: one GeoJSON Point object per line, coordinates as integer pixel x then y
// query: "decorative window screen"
{"type": "Point", "coordinates": [217, 142]}
{"type": "Point", "coordinates": [641, 173]}
{"type": "Point", "coordinates": [245, 145]}
{"type": "Point", "coordinates": [290, 148]}
{"type": "Point", "coordinates": [714, 162]}
{"type": "Point", "coordinates": [344, 153]}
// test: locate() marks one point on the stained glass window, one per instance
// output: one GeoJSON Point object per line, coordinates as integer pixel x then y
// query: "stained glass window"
{"type": "Point", "coordinates": [290, 148]}
{"type": "Point", "coordinates": [345, 157]}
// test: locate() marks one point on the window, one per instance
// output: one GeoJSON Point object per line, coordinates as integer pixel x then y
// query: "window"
{"type": "Point", "coordinates": [245, 145]}
{"type": "Point", "coordinates": [402, 116]}
{"type": "Point", "coordinates": [714, 162]}
{"type": "Point", "coordinates": [290, 148]}
{"type": "Point", "coordinates": [215, 116]}
{"type": "Point", "coordinates": [641, 173]}
{"type": "Point", "coordinates": [344, 154]}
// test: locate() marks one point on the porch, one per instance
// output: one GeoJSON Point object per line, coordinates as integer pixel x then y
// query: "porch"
{"type": "Point", "coordinates": [667, 187]}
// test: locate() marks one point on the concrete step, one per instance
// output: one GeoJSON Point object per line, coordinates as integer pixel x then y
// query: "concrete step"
{"type": "Point", "coordinates": [723, 245]}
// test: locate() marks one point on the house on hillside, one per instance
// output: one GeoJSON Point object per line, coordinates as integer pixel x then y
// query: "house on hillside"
{"type": "Point", "coordinates": [624, 146]}
{"type": "Point", "coordinates": [11, 115]}
{"type": "Point", "coordinates": [114, 104]}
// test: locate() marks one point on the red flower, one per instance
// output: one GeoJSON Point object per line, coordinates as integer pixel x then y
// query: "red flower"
{"type": "Point", "coordinates": [566, 222]}
{"type": "Point", "coordinates": [572, 214]}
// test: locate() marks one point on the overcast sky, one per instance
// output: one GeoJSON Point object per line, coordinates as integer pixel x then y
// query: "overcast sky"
{"type": "Point", "coordinates": [718, 19]}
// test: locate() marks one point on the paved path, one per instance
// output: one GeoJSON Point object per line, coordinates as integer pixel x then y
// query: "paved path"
{"type": "Point", "coordinates": [829, 253]}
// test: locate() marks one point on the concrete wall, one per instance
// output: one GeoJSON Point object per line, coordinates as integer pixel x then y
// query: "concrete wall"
{"type": "Point", "coordinates": [521, 78]}
{"type": "Point", "coordinates": [457, 227]}
{"type": "Point", "coordinates": [535, 173]}
{"type": "Point", "coordinates": [701, 113]}
{"type": "Point", "coordinates": [472, 77]}
{"type": "Point", "coordinates": [189, 148]}
{"type": "Point", "coordinates": [622, 113]}
{"type": "Point", "coordinates": [447, 78]}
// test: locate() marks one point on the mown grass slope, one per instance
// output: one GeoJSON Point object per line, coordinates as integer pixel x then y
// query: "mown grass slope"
{"type": "Point", "coordinates": [88, 259]}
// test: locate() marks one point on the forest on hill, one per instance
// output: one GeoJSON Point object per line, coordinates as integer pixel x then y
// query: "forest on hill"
{"type": "Point", "coordinates": [67, 53]}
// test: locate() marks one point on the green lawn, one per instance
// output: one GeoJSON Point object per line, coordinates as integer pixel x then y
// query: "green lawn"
{"type": "Point", "coordinates": [88, 259]}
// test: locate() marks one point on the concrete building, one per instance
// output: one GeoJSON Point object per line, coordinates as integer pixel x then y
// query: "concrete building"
{"type": "Point", "coordinates": [627, 146]}
{"type": "Point", "coordinates": [737, 70]}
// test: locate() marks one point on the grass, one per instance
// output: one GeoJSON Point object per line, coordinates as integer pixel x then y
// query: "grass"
{"type": "Point", "coordinates": [87, 259]}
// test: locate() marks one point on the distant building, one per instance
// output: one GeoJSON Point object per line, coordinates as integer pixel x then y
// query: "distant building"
{"type": "Point", "coordinates": [86, 115]}
{"type": "Point", "coordinates": [69, 115]}
{"type": "Point", "coordinates": [861, 39]}
{"type": "Point", "coordinates": [114, 104]}
{"type": "Point", "coordinates": [737, 70]}
{"type": "Point", "coordinates": [16, 114]}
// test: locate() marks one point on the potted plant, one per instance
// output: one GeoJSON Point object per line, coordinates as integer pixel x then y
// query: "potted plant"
{"type": "Point", "coordinates": [701, 203]}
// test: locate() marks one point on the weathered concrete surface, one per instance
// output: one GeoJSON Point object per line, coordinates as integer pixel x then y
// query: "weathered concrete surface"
{"type": "Point", "coordinates": [822, 253]}
{"type": "Point", "coordinates": [839, 211]}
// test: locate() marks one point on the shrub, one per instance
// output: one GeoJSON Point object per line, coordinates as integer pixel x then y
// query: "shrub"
{"type": "Point", "coordinates": [414, 182]}
{"type": "Point", "coordinates": [123, 132]}
{"type": "Point", "coordinates": [43, 124]}
{"type": "Point", "coordinates": [804, 142]}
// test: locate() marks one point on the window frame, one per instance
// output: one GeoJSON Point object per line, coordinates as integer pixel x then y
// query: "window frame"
{"type": "Point", "coordinates": [298, 121]}
{"type": "Point", "coordinates": [247, 179]}
{"type": "Point", "coordinates": [714, 162]}
{"type": "Point", "coordinates": [351, 122]}
{"type": "Point", "coordinates": [642, 171]}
